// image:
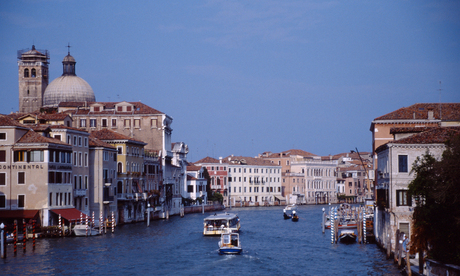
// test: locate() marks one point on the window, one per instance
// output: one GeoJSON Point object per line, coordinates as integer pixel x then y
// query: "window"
{"type": "Point", "coordinates": [2, 179]}
{"type": "Point", "coordinates": [3, 136]}
{"type": "Point", "coordinates": [86, 142]}
{"type": "Point", "coordinates": [74, 158]}
{"type": "Point", "coordinates": [80, 159]}
{"type": "Point", "coordinates": [2, 201]}
{"type": "Point", "coordinates": [75, 140]}
{"type": "Point", "coordinates": [92, 123]}
{"type": "Point", "coordinates": [26, 73]}
{"type": "Point", "coordinates": [104, 122]}
{"type": "Point", "coordinates": [21, 201]}
{"type": "Point", "coordinates": [190, 189]}
{"type": "Point", "coordinates": [2, 155]}
{"type": "Point", "coordinates": [68, 139]}
{"type": "Point", "coordinates": [114, 122]}
{"type": "Point", "coordinates": [86, 159]}
{"type": "Point", "coordinates": [79, 141]}
{"type": "Point", "coordinates": [126, 122]}
{"type": "Point", "coordinates": [402, 163]}
{"type": "Point", "coordinates": [119, 108]}
{"type": "Point", "coordinates": [128, 108]}
{"type": "Point", "coordinates": [96, 108]}
{"type": "Point", "coordinates": [19, 156]}
{"type": "Point", "coordinates": [21, 178]}
{"type": "Point", "coordinates": [120, 150]}
{"type": "Point", "coordinates": [82, 122]}
{"type": "Point", "coordinates": [403, 198]}
{"type": "Point", "coordinates": [153, 122]}
{"type": "Point", "coordinates": [137, 123]}
{"type": "Point", "coordinates": [34, 73]}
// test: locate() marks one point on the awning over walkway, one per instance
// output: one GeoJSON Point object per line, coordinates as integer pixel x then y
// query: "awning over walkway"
{"type": "Point", "coordinates": [280, 198]}
{"type": "Point", "coordinates": [70, 214]}
{"type": "Point", "coordinates": [18, 214]}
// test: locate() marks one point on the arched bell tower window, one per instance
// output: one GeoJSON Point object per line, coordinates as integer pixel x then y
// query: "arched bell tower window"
{"type": "Point", "coordinates": [26, 73]}
{"type": "Point", "coordinates": [34, 73]}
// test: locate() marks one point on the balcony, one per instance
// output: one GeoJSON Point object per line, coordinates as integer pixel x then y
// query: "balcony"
{"type": "Point", "coordinates": [79, 192]}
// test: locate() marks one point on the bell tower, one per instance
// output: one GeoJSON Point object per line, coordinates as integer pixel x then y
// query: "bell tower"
{"type": "Point", "coordinates": [33, 78]}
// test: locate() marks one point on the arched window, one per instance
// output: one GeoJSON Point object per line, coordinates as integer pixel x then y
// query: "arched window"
{"type": "Point", "coordinates": [26, 73]}
{"type": "Point", "coordinates": [34, 73]}
{"type": "Point", "coordinates": [120, 167]}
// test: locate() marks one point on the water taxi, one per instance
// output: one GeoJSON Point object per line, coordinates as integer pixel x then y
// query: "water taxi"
{"type": "Point", "coordinates": [230, 243]}
{"type": "Point", "coordinates": [347, 236]}
{"type": "Point", "coordinates": [221, 223]}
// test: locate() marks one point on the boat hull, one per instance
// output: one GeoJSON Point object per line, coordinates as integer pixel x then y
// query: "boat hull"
{"type": "Point", "coordinates": [230, 250]}
{"type": "Point", "coordinates": [80, 231]}
{"type": "Point", "coordinates": [347, 237]}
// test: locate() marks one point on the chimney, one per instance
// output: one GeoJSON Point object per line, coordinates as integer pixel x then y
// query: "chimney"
{"type": "Point", "coordinates": [430, 114]}
{"type": "Point", "coordinates": [220, 160]}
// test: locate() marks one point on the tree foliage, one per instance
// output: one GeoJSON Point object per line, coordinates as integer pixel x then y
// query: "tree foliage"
{"type": "Point", "coordinates": [436, 189]}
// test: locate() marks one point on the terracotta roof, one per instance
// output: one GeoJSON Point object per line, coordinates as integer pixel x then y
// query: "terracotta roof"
{"type": "Point", "coordinates": [66, 127]}
{"type": "Point", "coordinates": [395, 130]}
{"type": "Point", "coordinates": [207, 160]}
{"type": "Point", "coordinates": [191, 177]}
{"type": "Point", "coordinates": [244, 160]}
{"type": "Point", "coordinates": [94, 142]}
{"type": "Point", "coordinates": [290, 152]}
{"type": "Point", "coordinates": [106, 134]}
{"type": "Point", "coordinates": [7, 121]}
{"type": "Point", "coordinates": [193, 168]}
{"type": "Point", "coordinates": [419, 111]}
{"type": "Point", "coordinates": [438, 135]}
{"type": "Point", "coordinates": [33, 137]}
{"type": "Point", "coordinates": [109, 108]}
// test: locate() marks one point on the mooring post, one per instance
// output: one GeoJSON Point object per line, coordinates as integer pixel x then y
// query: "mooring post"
{"type": "Point", "coordinates": [323, 226]}
{"type": "Point", "coordinates": [113, 222]}
{"type": "Point", "coordinates": [15, 237]}
{"type": "Point", "coordinates": [3, 241]}
{"type": "Point", "coordinates": [332, 225]}
{"type": "Point", "coordinates": [148, 214]}
{"type": "Point", "coordinates": [100, 223]}
{"type": "Point", "coordinates": [336, 232]}
{"type": "Point", "coordinates": [399, 245]}
{"type": "Point", "coordinates": [364, 225]}
{"type": "Point", "coordinates": [24, 234]}
{"type": "Point", "coordinates": [33, 234]}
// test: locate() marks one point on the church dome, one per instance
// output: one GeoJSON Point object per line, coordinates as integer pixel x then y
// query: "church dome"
{"type": "Point", "coordinates": [68, 87]}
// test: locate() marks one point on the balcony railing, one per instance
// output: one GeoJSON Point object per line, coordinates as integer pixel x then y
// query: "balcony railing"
{"type": "Point", "coordinates": [79, 192]}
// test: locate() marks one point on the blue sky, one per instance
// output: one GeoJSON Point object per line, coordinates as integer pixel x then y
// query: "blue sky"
{"type": "Point", "coordinates": [245, 77]}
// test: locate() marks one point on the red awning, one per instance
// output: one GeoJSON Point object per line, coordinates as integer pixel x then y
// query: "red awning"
{"type": "Point", "coordinates": [70, 214]}
{"type": "Point", "coordinates": [19, 214]}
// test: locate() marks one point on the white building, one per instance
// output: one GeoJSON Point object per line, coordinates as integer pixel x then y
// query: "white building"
{"type": "Point", "coordinates": [394, 206]}
{"type": "Point", "coordinates": [253, 181]}
{"type": "Point", "coordinates": [196, 184]}
{"type": "Point", "coordinates": [320, 179]}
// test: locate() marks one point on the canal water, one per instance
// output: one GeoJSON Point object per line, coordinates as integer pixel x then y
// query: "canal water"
{"type": "Point", "coordinates": [271, 246]}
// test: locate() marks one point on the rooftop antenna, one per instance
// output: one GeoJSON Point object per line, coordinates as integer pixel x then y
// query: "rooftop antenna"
{"type": "Point", "coordinates": [440, 110]}
{"type": "Point", "coordinates": [68, 48]}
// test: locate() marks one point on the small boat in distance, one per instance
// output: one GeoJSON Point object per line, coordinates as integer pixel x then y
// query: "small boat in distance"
{"type": "Point", "coordinates": [229, 243]}
{"type": "Point", "coordinates": [347, 236]}
{"type": "Point", "coordinates": [288, 211]}
{"type": "Point", "coordinates": [80, 230]}
{"type": "Point", "coordinates": [221, 223]}
{"type": "Point", "coordinates": [295, 217]}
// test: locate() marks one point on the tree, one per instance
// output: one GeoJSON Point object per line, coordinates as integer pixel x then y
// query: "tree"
{"type": "Point", "coordinates": [436, 189]}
